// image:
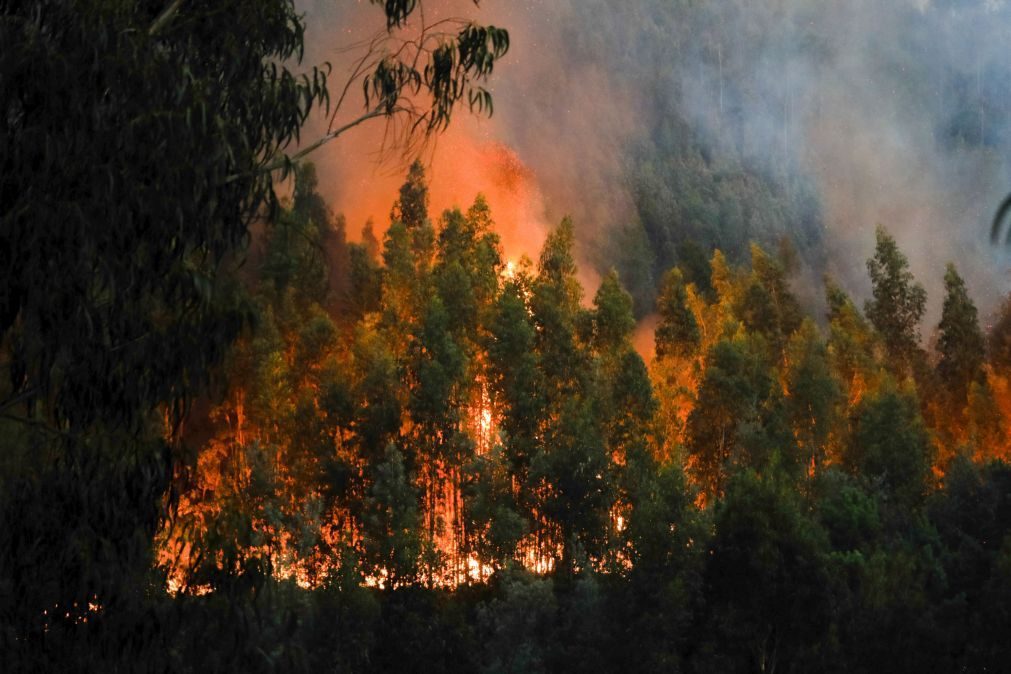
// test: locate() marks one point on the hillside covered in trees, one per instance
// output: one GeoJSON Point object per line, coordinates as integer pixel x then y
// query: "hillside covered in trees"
{"type": "Point", "coordinates": [465, 463]}
{"type": "Point", "coordinates": [234, 438]}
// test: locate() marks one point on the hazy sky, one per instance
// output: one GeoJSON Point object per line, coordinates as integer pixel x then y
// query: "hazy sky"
{"type": "Point", "coordinates": [860, 97]}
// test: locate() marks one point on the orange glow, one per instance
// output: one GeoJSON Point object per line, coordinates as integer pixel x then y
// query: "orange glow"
{"type": "Point", "coordinates": [643, 339]}
{"type": "Point", "coordinates": [538, 555]}
{"type": "Point", "coordinates": [485, 425]}
{"type": "Point", "coordinates": [464, 162]}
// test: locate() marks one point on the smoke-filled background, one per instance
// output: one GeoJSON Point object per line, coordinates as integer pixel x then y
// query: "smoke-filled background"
{"type": "Point", "coordinates": [669, 127]}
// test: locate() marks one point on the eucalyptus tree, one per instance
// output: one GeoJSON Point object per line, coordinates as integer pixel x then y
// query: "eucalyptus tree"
{"type": "Point", "coordinates": [127, 196]}
{"type": "Point", "coordinates": [898, 301]}
{"type": "Point", "coordinates": [140, 141]}
{"type": "Point", "coordinates": [960, 339]}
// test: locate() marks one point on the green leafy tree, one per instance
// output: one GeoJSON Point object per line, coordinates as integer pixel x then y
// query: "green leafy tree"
{"type": "Point", "coordinates": [126, 204]}
{"type": "Point", "coordinates": [466, 275]}
{"type": "Point", "coordinates": [391, 521]}
{"type": "Point", "coordinates": [453, 280]}
{"type": "Point", "coordinates": [575, 478]}
{"type": "Point", "coordinates": [626, 404]}
{"type": "Point", "coordinates": [665, 541]}
{"type": "Point", "coordinates": [518, 396]}
{"type": "Point", "coordinates": [740, 419]}
{"type": "Point", "coordinates": [629, 406]}
{"type": "Point", "coordinates": [766, 305]}
{"type": "Point", "coordinates": [960, 341]}
{"type": "Point", "coordinates": [516, 627]}
{"type": "Point", "coordinates": [572, 470]}
{"type": "Point", "coordinates": [998, 340]}
{"type": "Point", "coordinates": [448, 69]}
{"type": "Point", "coordinates": [612, 317]}
{"type": "Point", "coordinates": [693, 261]}
{"type": "Point", "coordinates": [767, 578]}
{"type": "Point", "coordinates": [492, 510]}
{"type": "Point", "coordinates": [365, 281]}
{"type": "Point", "coordinates": [889, 442]}
{"type": "Point", "coordinates": [852, 344]}
{"type": "Point", "coordinates": [285, 428]}
{"type": "Point", "coordinates": [294, 265]}
{"type": "Point", "coordinates": [813, 393]}
{"type": "Point", "coordinates": [898, 301]}
{"type": "Point", "coordinates": [727, 285]}
{"type": "Point", "coordinates": [467, 268]}
{"type": "Point", "coordinates": [484, 260]}
{"type": "Point", "coordinates": [408, 250]}
{"type": "Point", "coordinates": [412, 206]}
{"type": "Point", "coordinates": [678, 332]}
{"type": "Point", "coordinates": [126, 207]}
{"type": "Point", "coordinates": [985, 426]}
{"type": "Point", "coordinates": [582, 634]}
{"type": "Point", "coordinates": [726, 395]}
{"type": "Point", "coordinates": [849, 513]}
{"type": "Point", "coordinates": [437, 445]}
{"type": "Point", "coordinates": [378, 391]}
{"type": "Point", "coordinates": [554, 301]}
{"type": "Point", "coordinates": [676, 370]}
{"type": "Point", "coordinates": [143, 265]}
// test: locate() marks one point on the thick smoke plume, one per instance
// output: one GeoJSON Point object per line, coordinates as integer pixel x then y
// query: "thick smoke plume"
{"type": "Point", "coordinates": [887, 112]}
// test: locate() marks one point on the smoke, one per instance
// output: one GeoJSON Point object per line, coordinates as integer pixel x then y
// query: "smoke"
{"type": "Point", "coordinates": [553, 147]}
{"type": "Point", "coordinates": [898, 112]}
{"type": "Point", "coordinates": [887, 112]}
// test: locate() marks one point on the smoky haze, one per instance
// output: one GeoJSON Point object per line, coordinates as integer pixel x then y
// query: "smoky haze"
{"type": "Point", "coordinates": [874, 112]}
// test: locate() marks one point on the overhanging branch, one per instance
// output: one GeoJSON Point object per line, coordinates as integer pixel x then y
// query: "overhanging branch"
{"type": "Point", "coordinates": [164, 17]}
{"type": "Point", "coordinates": [283, 161]}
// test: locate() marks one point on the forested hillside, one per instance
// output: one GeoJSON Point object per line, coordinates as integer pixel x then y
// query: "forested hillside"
{"type": "Point", "coordinates": [429, 432]}
{"type": "Point", "coordinates": [664, 127]}
{"type": "Point", "coordinates": [236, 438]}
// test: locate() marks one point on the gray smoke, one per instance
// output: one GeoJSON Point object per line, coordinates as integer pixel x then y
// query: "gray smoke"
{"type": "Point", "coordinates": [891, 112]}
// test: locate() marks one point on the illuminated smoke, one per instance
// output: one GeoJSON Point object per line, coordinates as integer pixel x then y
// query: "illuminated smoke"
{"type": "Point", "coordinates": [856, 99]}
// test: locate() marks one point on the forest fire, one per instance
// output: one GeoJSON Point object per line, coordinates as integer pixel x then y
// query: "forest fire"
{"type": "Point", "coordinates": [465, 165]}
{"type": "Point", "coordinates": [479, 444]}
{"type": "Point", "coordinates": [308, 363]}
{"type": "Point", "coordinates": [312, 364]}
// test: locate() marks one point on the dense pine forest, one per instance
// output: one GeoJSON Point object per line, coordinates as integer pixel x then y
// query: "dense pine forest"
{"type": "Point", "coordinates": [239, 433]}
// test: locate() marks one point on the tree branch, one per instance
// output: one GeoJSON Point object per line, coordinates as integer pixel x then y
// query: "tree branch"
{"type": "Point", "coordinates": [23, 396]}
{"type": "Point", "coordinates": [35, 423]}
{"type": "Point", "coordinates": [164, 17]}
{"type": "Point", "coordinates": [280, 162]}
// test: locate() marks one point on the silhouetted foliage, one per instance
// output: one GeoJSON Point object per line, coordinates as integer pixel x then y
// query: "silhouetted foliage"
{"type": "Point", "coordinates": [421, 458]}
